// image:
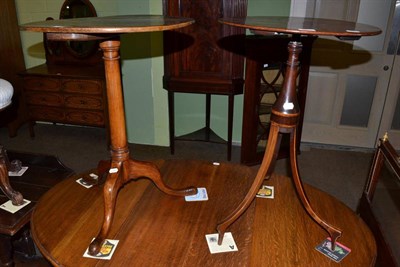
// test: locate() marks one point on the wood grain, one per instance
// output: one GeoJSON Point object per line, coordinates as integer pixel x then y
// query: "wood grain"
{"type": "Point", "coordinates": [290, 235]}
{"type": "Point", "coordinates": [284, 117]}
{"type": "Point", "coordinates": [107, 25]}
{"type": "Point", "coordinates": [155, 229]}
{"type": "Point", "coordinates": [306, 26]}
{"type": "Point", "coordinates": [205, 58]}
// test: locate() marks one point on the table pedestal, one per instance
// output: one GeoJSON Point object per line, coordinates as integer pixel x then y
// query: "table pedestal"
{"type": "Point", "coordinates": [284, 120]}
{"type": "Point", "coordinates": [121, 168]}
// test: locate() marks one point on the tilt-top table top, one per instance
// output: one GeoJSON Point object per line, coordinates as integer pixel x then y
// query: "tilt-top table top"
{"type": "Point", "coordinates": [306, 26]}
{"type": "Point", "coordinates": [109, 25]}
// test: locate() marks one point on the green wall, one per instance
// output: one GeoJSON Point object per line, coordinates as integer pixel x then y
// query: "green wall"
{"type": "Point", "coordinates": [136, 55]}
{"type": "Point", "coordinates": [142, 70]}
{"type": "Point", "coordinates": [190, 108]}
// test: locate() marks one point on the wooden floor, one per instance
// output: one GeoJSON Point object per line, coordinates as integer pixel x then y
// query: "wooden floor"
{"type": "Point", "coordinates": [34, 262]}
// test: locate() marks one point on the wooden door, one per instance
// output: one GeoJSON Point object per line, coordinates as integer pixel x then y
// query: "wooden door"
{"type": "Point", "coordinates": [349, 81]}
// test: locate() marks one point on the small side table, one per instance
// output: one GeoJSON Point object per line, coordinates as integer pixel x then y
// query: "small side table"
{"type": "Point", "coordinates": [121, 168]}
{"type": "Point", "coordinates": [6, 93]}
{"type": "Point", "coordinates": [286, 111]}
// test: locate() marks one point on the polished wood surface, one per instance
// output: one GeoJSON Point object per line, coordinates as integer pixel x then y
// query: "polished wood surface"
{"type": "Point", "coordinates": [306, 26]}
{"type": "Point", "coordinates": [71, 94]}
{"type": "Point", "coordinates": [271, 50]}
{"type": "Point", "coordinates": [43, 173]}
{"type": "Point", "coordinates": [286, 112]}
{"type": "Point", "coordinates": [108, 25]}
{"type": "Point", "coordinates": [256, 57]}
{"type": "Point", "coordinates": [120, 169]}
{"type": "Point", "coordinates": [154, 229]}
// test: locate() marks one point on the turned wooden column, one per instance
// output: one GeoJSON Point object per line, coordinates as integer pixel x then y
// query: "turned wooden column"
{"type": "Point", "coordinates": [121, 169]}
{"type": "Point", "coordinates": [114, 95]}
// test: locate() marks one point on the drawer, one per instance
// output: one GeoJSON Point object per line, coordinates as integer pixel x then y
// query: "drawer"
{"type": "Point", "coordinates": [44, 99]}
{"type": "Point", "coordinates": [84, 102]}
{"type": "Point", "coordinates": [82, 86]}
{"type": "Point", "coordinates": [41, 84]}
{"type": "Point", "coordinates": [46, 114]}
{"type": "Point", "coordinates": [93, 118]}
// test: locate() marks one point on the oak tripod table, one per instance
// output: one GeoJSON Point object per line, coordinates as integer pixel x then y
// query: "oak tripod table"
{"type": "Point", "coordinates": [121, 168]}
{"type": "Point", "coordinates": [285, 111]}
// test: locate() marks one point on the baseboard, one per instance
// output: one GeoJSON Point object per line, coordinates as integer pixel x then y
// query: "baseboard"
{"type": "Point", "coordinates": [305, 146]}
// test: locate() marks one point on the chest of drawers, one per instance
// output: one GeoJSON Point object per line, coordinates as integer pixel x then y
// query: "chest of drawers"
{"type": "Point", "coordinates": [66, 94]}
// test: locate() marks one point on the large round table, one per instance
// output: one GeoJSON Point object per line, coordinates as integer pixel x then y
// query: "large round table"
{"type": "Point", "coordinates": [155, 229]}
{"type": "Point", "coordinates": [161, 229]}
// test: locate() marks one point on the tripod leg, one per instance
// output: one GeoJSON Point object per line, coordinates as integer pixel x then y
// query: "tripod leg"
{"type": "Point", "coordinates": [149, 170]}
{"type": "Point", "coordinates": [110, 192]}
{"type": "Point", "coordinates": [276, 152]}
{"type": "Point", "coordinates": [334, 233]}
{"type": "Point", "coordinates": [15, 196]}
{"type": "Point", "coordinates": [268, 158]}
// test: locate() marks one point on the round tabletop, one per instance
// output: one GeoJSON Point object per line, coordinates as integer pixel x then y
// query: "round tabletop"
{"type": "Point", "coordinates": [109, 25]}
{"type": "Point", "coordinates": [155, 229]}
{"type": "Point", "coordinates": [306, 26]}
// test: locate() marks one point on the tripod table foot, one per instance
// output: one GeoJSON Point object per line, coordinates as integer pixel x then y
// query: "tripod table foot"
{"type": "Point", "coordinates": [120, 173]}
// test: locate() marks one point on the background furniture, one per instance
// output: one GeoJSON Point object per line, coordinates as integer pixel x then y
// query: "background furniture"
{"type": "Point", "coordinates": [385, 157]}
{"type": "Point", "coordinates": [63, 239]}
{"type": "Point", "coordinates": [70, 87]}
{"type": "Point", "coordinates": [198, 59]}
{"type": "Point", "coordinates": [43, 173]}
{"type": "Point", "coordinates": [6, 93]}
{"type": "Point", "coordinates": [265, 70]}
{"type": "Point", "coordinates": [66, 94]}
{"type": "Point", "coordinates": [11, 62]}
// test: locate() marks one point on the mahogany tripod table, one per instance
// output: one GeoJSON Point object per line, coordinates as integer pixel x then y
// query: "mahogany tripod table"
{"type": "Point", "coordinates": [157, 230]}
{"type": "Point", "coordinates": [286, 112]}
{"type": "Point", "coordinates": [121, 169]}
